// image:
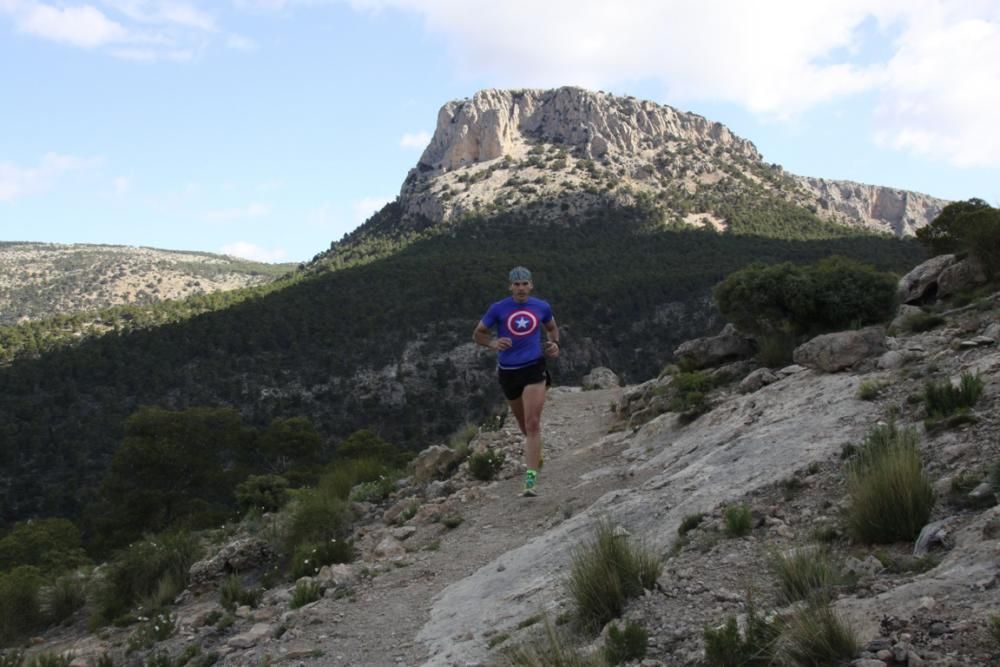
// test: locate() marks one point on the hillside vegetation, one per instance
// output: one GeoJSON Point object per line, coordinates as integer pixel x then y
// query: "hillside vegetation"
{"type": "Point", "coordinates": [40, 280]}
{"type": "Point", "coordinates": [380, 343]}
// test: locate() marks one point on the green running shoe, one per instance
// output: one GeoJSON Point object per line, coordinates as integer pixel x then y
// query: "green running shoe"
{"type": "Point", "coordinates": [530, 483]}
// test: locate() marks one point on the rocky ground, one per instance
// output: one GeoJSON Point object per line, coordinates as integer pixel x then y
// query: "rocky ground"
{"type": "Point", "coordinates": [455, 571]}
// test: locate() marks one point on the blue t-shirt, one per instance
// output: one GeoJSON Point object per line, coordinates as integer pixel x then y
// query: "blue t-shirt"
{"type": "Point", "coordinates": [522, 323]}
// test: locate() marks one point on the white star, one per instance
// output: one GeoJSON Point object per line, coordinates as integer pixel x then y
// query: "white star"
{"type": "Point", "coordinates": [521, 323]}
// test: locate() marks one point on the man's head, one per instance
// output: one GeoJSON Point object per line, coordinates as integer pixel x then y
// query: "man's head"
{"type": "Point", "coordinates": [519, 273]}
{"type": "Point", "coordinates": [520, 283]}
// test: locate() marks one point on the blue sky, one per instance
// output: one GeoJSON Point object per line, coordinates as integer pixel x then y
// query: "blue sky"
{"type": "Point", "coordinates": [269, 128]}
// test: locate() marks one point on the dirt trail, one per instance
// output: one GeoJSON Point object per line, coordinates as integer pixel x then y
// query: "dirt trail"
{"type": "Point", "coordinates": [379, 625]}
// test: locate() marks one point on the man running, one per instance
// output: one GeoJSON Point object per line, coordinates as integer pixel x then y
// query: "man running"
{"type": "Point", "coordinates": [519, 320]}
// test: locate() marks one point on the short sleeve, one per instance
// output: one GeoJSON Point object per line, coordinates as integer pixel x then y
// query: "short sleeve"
{"type": "Point", "coordinates": [490, 318]}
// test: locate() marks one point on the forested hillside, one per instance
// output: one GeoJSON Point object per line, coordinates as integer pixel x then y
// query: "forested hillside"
{"type": "Point", "coordinates": [384, 344]}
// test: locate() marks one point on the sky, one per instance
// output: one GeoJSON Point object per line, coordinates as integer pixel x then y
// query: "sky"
{"type": "Point", "coordinates": [267, 129]}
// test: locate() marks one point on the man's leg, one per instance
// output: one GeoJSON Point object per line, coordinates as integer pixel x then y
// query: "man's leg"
{"type": "Point", "coordinates": [517, 407]}
{"type": "Point", "coordinates": [533, 400]}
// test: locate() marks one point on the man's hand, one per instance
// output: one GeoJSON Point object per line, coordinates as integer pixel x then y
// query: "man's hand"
{"type": "Point", "coordinates": [551, 348]}
{"type": "Point", "coordinates": [504, 343]}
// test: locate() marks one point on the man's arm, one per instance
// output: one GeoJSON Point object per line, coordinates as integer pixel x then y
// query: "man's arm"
{"type": "Point", "coordinates": [482, 335]}
{"type": "Point", "coordinates": [552, 334]}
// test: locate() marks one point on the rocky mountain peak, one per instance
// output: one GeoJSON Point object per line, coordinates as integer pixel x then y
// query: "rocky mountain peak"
{"type": "Point", "coordinates": [555, 153]}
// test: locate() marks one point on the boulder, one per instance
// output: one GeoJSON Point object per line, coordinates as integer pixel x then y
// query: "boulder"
{"type": "Point", "coordinates": [836, 351]}
{"type": "Point", "coordinates": [903, 315]}
{"type": "Point", "coordinates": [242, 555]}
{"type": "Point", "coordinates": [757, 379]}
{"type": "Point", "coordinates": [434, 462]}
{"type": "Point", "coordinates": [959, 277]}
{"type": "Point", "coordinates": [921, 284]}
{"type": "Point", "coordinates": [601, 378]}
{"type": "Point", "coordinates": [729, 344]}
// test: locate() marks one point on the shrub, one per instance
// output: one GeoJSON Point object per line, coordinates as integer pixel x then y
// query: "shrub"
{"type": "Point", "coordinates": [805, 574]}
{"type": "Point", "coordinates": [485, 464]}
{"type": "Point", "coordinates": [918, 322]}
{"type": "Point", "coordinates": [944, 399]}
{"type": "Point", "coordinates": [373, 491]}
{"type": "Point", "coordinates": [738, 520]}
{"type": "Point", "coordinates": [870, 389]}
{"type": "Point", "coordinates": [263, 493]}
{"type": "Point", "coordinates": [627, 644]}
{"type": "Point", "coordinates": [48, 660]}
{"type": "Point", "coordinates": [789, 299]}
{"type": "Point", "coordinates": [151, 569]}
{"type": "Point", "coordinates": [891, 496]}
{"type": "Point", "coordinates": [60, 600]}
{"type": "Point", "coordinates": [774, 350]}
{"type": "Point", "coordinates": [343, 476]}
{"type": "Point", "coordinates": [553, 651]}
{"type": "Point", "coordinates": [724, 647]}
{"type": "Point", "coordinates": [152, 631]}
{"type": "Point", "coordinates": [691, 399]}
{"type": "Point", "coordinates": [233, 595]}
{"type": "Point", "coordinates": [689, 523]}
{"type": "Point", "coordinates": [607, 572]}
{"type": "Point", "coordinates": [304, 593]}
{"type": "Point", "coordinates": [994, 630]}
{"type": "Point", "coordinates": [52, 545]}
{"type": "Point", "coordinates": [971, 226]}
{"type": "Point", "coordinates": [816, 636]}
{"type": "Point", "coordinates": [318, 517]}
{"type": "Point", "coordinates": [20, 607]}
{"type": "Point", "coordinates": [311, 556]}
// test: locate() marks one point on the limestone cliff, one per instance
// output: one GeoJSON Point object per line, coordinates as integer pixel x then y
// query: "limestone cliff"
{"type": "Point", "coordinates": [557, 152]}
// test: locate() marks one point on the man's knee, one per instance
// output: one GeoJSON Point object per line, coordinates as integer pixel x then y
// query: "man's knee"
{"type": "Point", "coordinates": [533, 424]}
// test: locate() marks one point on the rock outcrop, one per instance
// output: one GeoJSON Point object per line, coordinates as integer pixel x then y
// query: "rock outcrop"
{"type": "Point", "coordinates": [528, 149]}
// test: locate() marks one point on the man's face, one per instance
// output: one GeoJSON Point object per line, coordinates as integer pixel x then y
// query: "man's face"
{"type": "Point", "coordinates": [521, 290]}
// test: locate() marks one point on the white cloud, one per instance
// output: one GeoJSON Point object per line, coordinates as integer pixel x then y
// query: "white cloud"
{"type": "Point", "coordinates": [257, 253]}
{"type": "Point", "coordinates": [82, 26]}
{"type": "Point", "coordinates": [240, 43]}
{"type": "Point", "coordinates": [364, 208]}
{"type": "Point", "coordinates": [416, 140]}
{"type": "Point", "coordinates": [943, 90]}
{"type": "Point", "coordinates": [249, 212]}
{"type": "Point", "coordinates": [121, 185]}
{"type": "Point", "coordinates": [934, 65]}
{"type": "Point", "coordinates": [17, 181]}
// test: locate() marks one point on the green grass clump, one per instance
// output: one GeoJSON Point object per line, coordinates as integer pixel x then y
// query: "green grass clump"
{"type": "Point", "coordinates": [552, 651]}
{"type": "Point", "coordinates": [304, 593]}
{"type": "Point", "coordinates": [689, 523]}
{"type": "Point", "coordinates": [310, 557]}
{"type": "Point", "coordinates": [738, 520]}
{"type": "Point", "coordinates": [922, 322]}
{"type": "Point", "coordinates": [262, 493]}
{"type": "Point", "coordinates": [233, 595]}
{"type": "Point", "coordinates": [816, 636]}
{"type": "Point", "coordinates": [48, 660]}
{"type": "Point", "coordinates": [891, 496]}
{"type": "Point", "coordinates": [61, 600]}
{"type": "Point", "coordinates": [805, 574]}
{"type": "Point", "coordinates": [944, 399]}
{"type": "Point", "coordinates": [148, 574]}
{"type": "Point", "coordinates": [870, 389]}
{"type": "Point", "coordinates": [152, 631]}
{"type": "Point", "coordinates": [691, 399]}
{"type": "Point", "coordinates": [725, 647]}
{"type": "Point", "coordinates": [20, 605]}
{"type": "Point", "coordinates": [606, 572]}
{"type": "Point", "coordinates": [625, 644]}
{"type": "Point", "coordinates": [485, 464]}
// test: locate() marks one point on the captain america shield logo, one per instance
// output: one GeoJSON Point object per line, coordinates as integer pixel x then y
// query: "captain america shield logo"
{"type": "Point", "coordinates": [522, 323]}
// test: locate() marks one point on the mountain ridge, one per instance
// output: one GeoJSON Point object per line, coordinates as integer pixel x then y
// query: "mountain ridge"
{"type": "Point", "coordinates": [618, 149]}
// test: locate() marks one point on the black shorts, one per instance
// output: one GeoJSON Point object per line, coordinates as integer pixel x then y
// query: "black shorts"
{"type": "Point", "coordinates": [514, 381]}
